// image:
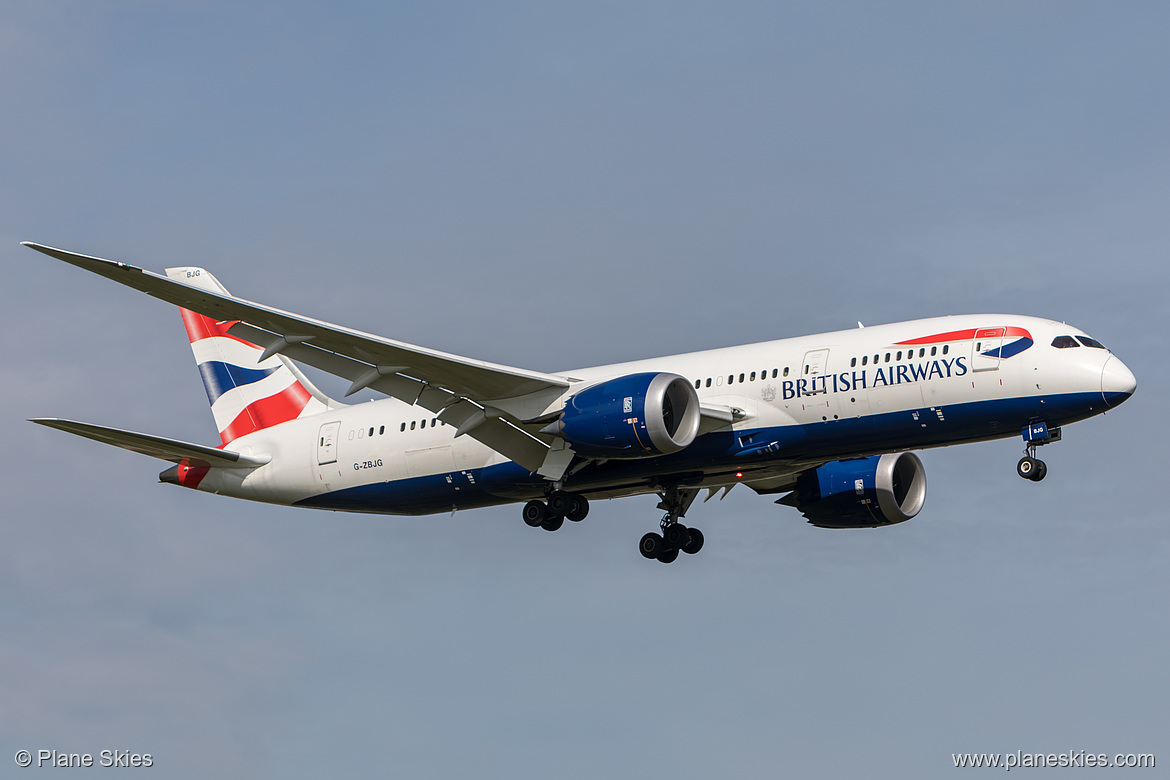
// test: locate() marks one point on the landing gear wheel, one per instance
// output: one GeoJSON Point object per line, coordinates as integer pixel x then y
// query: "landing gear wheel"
{"type": "Point", "coordinates": [558, 502]}
{"type": "Point", "coordinates": [1040, 472]}
{"type": "Point", "coordinates": [668, 556]}
{"type": "Point", "coordinates": [677, 535]}
{"type": "Point", "coordinates": [695, 544]}
{"type": "Point", "coordinates": [1027, 467]}
{"type": "Point", "coordinates": [652, 545]}
{"type": "Point", "coordinates": [535, 513]}
{"type": "Point", "coordinates": [577, 508]}
{"type": "Point", "coordinates": [553, 523]}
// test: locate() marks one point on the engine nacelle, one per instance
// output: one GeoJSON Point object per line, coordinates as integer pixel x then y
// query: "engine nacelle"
{"type": "Point", "coordinates": [863, 493]}
{"type": "Point", "coordinates": [635, 416]}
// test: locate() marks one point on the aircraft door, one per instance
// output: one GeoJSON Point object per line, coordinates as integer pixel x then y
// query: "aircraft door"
{"type": "Point", "coordinates": [985, 349]}
{"type": "Point", "coordinates": [815, 363]}
{"type": "Point", "coordinates": [327, 443]}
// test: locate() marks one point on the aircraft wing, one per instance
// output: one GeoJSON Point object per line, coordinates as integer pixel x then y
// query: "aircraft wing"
{"type": "Point", "coordinates": [173, 450]}
{"type": "Point", "coordinates": [461, 391]}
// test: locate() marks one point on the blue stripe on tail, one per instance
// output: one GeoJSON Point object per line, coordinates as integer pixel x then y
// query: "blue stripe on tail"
{"type": "Point", "coordinates": [218, 378]}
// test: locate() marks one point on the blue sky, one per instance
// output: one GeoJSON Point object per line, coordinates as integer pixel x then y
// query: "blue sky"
{"type": "Point", "coordinates": [552, 186]}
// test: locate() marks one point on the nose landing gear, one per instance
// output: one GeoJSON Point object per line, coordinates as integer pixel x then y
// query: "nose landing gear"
{"type": "Point", "coordinates": [1031, 467]}
{"type": "Point", "coordinates": [1035, 435]}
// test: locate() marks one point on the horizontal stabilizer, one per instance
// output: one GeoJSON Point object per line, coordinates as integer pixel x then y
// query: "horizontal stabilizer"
{"type": "Point", "coordinates": [172, 450]}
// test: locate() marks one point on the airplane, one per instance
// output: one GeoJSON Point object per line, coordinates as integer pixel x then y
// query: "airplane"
{"type": "Point", "coordinates": [827, 422]}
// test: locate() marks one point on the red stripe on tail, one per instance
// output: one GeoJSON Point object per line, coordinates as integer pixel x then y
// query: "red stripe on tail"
{"type": "Point", "coordinates": [273, 410]}
{"type": "Point", "coordinates": [200, 327]}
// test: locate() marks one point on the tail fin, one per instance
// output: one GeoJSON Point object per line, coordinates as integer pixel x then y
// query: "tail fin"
{"type": "Point", "coordinates": [246, 394]}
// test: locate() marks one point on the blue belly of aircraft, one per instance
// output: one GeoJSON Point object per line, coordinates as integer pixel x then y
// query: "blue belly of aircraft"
{"type": "Point", "coordinates": [744, 449]}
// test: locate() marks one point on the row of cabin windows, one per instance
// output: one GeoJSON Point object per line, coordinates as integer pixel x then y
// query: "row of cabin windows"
{"type": "Point", "coordinates": [898, 355]}
{"type": "Point", "coordinates": [435, 422]}
{"type": "Point", "coordinates": [731, 378]}
{"type": "Point", "coordinates": [742, 378]}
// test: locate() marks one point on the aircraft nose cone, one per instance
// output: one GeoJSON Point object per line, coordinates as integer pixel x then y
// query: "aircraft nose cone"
{"type": "Point", "coordinates": [1117, 382]}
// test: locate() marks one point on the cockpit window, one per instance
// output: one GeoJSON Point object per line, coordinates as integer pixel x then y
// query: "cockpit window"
{"type": "Point", "coordinates": [1088, 342]}
{"type": "Point", "coordinates": [1064, 342]}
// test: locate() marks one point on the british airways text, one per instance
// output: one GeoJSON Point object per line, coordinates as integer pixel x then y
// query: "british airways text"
{"type": "Point", "coordinates": [878, 377]}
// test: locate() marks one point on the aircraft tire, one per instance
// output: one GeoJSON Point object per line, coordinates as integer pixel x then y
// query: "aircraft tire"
{"type": "Point", "coordinates": [553, 523]}
{"type": "Point", "coordinates": [677, 535]}
{"type": "Point", "coordinates": [695, 543]}
{"type": "Point", "coordinates": [652, 545]}
{"type": "Point", "coordinates": [535, 513]}
{"type": "Point", "coordinates": [1027, 468]}
{"type": "Point", "coordinates": [558, 502]}
{"type": "Point", "coordinates": [576, 508]}
{"type": "Point", "coordinates": [668, 556]}
{"type": "Point", "coordinates": [1041, 471]}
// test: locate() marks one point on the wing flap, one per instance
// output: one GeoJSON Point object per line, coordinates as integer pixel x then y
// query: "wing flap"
{"type": "Point", "coordinates": [171, 450]}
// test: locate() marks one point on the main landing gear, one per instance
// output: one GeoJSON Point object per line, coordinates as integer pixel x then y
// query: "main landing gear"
{"type": "Point", "coordinates": [675, 536]}
{"type": "Point", "coordinates": [561, 506]}
{"type": "Point", "coordinates": [1035, 435]}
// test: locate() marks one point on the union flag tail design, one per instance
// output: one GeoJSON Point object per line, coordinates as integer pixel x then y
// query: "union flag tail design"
{"type": "Point", "coordinates": [246, 394]}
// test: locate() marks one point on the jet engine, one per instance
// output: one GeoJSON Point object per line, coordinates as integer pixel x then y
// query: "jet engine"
{"type": "Point", "coordinates": [864, 493]}
{"type": "Point", "coordinates": [634, 416]}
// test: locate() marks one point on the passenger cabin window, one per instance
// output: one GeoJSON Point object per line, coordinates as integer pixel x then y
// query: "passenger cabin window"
{"type": "Point", "coordinates": [1064, 342]}
{"type": "Point", "coordinates": [741, 379]}
{"type": "Point", "coordinates": [708, 381]}
{"type": "Point", "coordinates": [403, 428]}
{"type": "Point", "coordinates": [853, 363]}
{"type": "Point", "coordinates": [946, 348]}
{"type": "Point", "coordinates": [1088, 342]}
{"type": "Point", "coordinates": [413, 423]}
{"type": "Point", "coordinates": [865, 360]}
{"type": "Point", "coordinates": [933, 351]}
{"type": "Point", "coordinates": [753, 377]}
{"type": "Point", "coordinates": [785, 370]}
{"type": "Point", "coordinates": [774, 370]}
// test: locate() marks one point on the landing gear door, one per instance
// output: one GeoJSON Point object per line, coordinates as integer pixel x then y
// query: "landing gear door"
{"type": "Point", "coordinates": [327, 443]}
{"type": "Point", "coordinates": [814, 370]}
{"type": "Point", "coordinates": [985, 350]}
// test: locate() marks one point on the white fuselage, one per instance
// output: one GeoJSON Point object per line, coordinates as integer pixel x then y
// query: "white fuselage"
{"type": "Point", "coordinates": [908, 385]}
